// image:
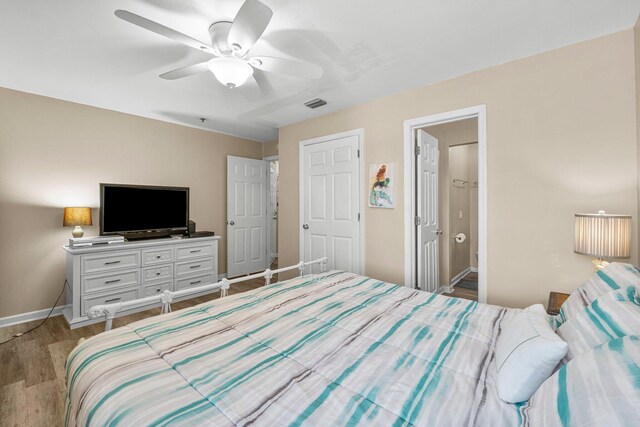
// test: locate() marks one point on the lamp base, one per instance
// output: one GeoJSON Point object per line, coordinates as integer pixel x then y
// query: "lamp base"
{"type": "Point", "coordinates": [599, 264]}
{"type": "Point", "coordinates": [78, 231]}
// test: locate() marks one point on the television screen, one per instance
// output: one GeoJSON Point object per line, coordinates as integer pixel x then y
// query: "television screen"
{"type": "Point", "coordinates": [133, 208]}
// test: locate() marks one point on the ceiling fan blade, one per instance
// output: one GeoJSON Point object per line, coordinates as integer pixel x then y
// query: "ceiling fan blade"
{"type": "Point", "coordinates": [185, 71]}
{"type": "Point", "coordinates": [250, 22]}
{"type": "Point", "coordinates": [150, 25]}
{"type": "Point", "coordinates": [289, 67]}
{"type": "Point", "coordinates": [251, 89]}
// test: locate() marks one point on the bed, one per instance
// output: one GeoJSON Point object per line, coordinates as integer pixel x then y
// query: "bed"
{"type": "Point", "coordinates": [333, 348]}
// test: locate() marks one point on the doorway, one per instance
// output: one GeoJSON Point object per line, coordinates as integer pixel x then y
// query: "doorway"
{"type": "Point", "coordinates": [273, 169]}
{"type": "Point", "coordinates": [455, 203]}
{"type": "Point", "coordinates": [445, 203]}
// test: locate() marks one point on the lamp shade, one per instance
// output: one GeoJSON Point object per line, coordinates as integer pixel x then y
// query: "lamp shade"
{"type": "Point", "coordinates": [231, 72]}
{"type": "Point", "coordinates": [77, 216]}
{"type": "Point", "coordinates": [603, 235]}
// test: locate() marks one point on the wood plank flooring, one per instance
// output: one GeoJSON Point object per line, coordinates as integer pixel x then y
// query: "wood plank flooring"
{"type": "Point", "coordinates": [32, 382]}
{"type": "Point", "coordinates": [466, 293]}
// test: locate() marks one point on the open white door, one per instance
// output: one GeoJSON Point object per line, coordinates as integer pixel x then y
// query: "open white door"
{"type": "Point", "coordinates": [330, 201]}
{"type": "Point", "coordinates": [427, 223]}
{"type": "Point", "coordinates": [247, 181]}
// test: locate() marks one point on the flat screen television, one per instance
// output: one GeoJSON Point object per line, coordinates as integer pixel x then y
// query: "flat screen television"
{"type": "Point", "coordinates": [143, 211]}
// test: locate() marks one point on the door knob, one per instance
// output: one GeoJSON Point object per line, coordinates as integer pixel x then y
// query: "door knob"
{"type": "Point", "coordinates": [232, 223]}
{"type": "Point", "coordinates": [305, 226]}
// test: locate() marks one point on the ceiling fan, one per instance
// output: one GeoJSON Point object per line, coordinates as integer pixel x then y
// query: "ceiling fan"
{"type": "Point", "coordinates": [230, 44]}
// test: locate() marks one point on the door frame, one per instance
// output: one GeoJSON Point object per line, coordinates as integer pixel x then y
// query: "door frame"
{"type": "Point", "coordinates": [410, 126]}
{"type": "Point", "coordinates": [359, 133]}
{"type": "Point", "coordinates": [268, 189]}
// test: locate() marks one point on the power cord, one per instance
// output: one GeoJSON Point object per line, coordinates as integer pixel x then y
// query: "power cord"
{"type": "Point", "coordinates": [19, 334]}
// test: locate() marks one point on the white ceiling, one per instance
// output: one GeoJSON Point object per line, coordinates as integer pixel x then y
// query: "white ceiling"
{"type": "Point", "coordinates": [77, 50]}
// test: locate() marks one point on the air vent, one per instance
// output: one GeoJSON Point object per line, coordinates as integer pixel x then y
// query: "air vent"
{"type": "Point", "coordinates": [315, 103]}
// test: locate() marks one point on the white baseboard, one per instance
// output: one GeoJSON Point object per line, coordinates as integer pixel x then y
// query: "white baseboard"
{"type": "Point", "coordinates": [444, 290]}
{"type": "Point", "coordinates": [459, 276]}
{"type": "Point", "coordinates": [473, 269]}
{"type": "Point", "coordinates": [28, 317]}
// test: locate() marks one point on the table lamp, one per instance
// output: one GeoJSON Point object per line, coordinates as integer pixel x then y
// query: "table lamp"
{"type": "Point", "coordinates": [603, 236]}
{"type": "Point", "coordinates": [74, 216]}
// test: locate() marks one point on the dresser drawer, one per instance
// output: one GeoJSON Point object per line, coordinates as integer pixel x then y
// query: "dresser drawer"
{"type": "Point", "coordinates": [156, 256]}
{"type": "Point", "coordinates": [106, 282]}
{"type": "Point", "coordinates": [200, 266]}
{"type": "Point", "coordinates": [161, 272]}
{"type": "Point", "coordinates": [155, 289]}
{"type": "Point", "coordinates": [194, 251]}
{"type": "Point", "coordinates": [111, 298]}
{"type": "Point", "coordinates": [110, 261]}
{"type": "Point", "coordinates": [205, 279]}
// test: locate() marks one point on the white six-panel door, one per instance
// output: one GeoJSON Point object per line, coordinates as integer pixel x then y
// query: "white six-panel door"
{"type": "Point", "coordinates": [247, 181]}
{"type": "Point", "coordinates": [428, 227]}
{"type": "Point", "coordinates": [330, 202]}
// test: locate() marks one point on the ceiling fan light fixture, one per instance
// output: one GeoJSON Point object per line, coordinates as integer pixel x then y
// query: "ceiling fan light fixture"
{"type": "Point", "coordinates": [219, 33]}
{"type": "Point", "coordinates": [231, 72]}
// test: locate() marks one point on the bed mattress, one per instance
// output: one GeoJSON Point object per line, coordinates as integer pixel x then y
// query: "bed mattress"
{"type": "Point", "coordinates": [328, 349]}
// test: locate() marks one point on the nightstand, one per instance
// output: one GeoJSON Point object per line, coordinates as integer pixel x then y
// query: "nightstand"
{"type": "Point", "coordinates": [555, 301]}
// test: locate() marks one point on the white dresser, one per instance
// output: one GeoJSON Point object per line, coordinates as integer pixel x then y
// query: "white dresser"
{"type": "Point", "coordinates": [122, 272]}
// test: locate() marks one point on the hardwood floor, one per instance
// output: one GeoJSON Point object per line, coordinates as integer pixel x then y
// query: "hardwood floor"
{"type": "Point", "coordinates": [466, 293]}
{"type": "Point", "coordinates": [32, 367]}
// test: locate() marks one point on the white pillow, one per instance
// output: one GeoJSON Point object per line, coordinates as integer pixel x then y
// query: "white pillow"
{"type": "Point", "coordinates": [597, 388]}
{"type": "Point", "coordinates": [613, 315]}
{"type": "Point", "coordinates": [527, 353]}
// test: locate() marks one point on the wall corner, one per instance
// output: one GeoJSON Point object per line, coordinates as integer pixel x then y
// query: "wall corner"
{"type": "Point", "coordinates": [636, 52]}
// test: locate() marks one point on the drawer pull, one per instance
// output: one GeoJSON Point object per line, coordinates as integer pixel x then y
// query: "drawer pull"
{"type": "Point", "coordinates": [197, 281]}
{"type": "Point", "coordinates": [113, 300]}
{"type": "Point", "coordinates": [195, 266]}
{"type": "Point", "coordinates": [159, 290]}
{"type": "Point", "coordinates": [157, 273]}
{"type": "Point", "coordinates": [112, 262]}
{"type": "Point", "coordinates": [195, 251]}
{"type": "Point", "coordinates": [158, 256]}
{"type": "Point", "coordinates": [112, 281]}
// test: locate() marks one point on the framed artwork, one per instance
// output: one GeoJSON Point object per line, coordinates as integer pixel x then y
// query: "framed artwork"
{"type": "Point", "coordinates": [381, 185]}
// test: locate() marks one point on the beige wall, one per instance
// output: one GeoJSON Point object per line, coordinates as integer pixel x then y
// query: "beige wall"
{"type": "Point", "coordinates": [473, 208]}
{"type": "Point", "coordinates": [636, 33]}
{"type": "Point", "coordinates": [458, 202]}
{"type": "Point", "coordinates": [55, 153]}
{"type": "Point", "coordinates": [561, 131]}
{"type": "Point", "coordinates": [460, 160]}
{"type": "Point", "coordinates": [270, 149]}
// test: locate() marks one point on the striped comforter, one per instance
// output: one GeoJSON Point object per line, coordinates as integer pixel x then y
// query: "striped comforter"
{"type": "Point", "coordinates": [328, 349]}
